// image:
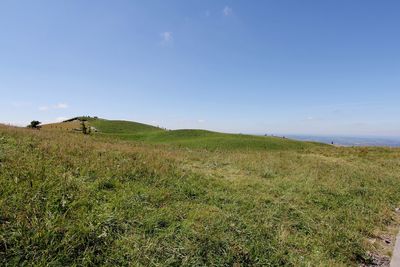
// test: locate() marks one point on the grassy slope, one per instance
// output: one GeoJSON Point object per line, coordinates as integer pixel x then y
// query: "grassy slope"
{"type": "Point", "coordinates": [71, 199]}
{"type": "Point", "coordinates": [65, 126]}
{"type": "Point", "coordinates": [121, 127]}
{"type": "Point", "coordinates": [193, 138]}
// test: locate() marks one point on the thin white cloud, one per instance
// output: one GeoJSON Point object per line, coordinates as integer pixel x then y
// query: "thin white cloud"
{"type": "Point", "coordinates": [201, 121]}
{"type": "Point", "coordinates": [167, 38]}
{"type": "Point", "coordinates": [57, 106]}
{"type": "Point", "coordinates": [20, 104]}
{"type": "Point", "coordinates": [227, 11]}
{"type": "Point", "coordinates": [60, 106]}
{"type": "Point", "coordinates": [207, 13]}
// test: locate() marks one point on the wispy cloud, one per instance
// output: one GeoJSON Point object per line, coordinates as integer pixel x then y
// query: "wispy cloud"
{"type": "Point", "coordinates": [61, 106]}
{"type": "Point", "coordinates": [227, 11]}
{"type": "Point", "coordinates": [338, 106]}
{"type": "Point", "coordinates": [57, 106]}
{"type": "Point", "coordinates": [313, 119]}
{"type": "Point", "coordinates": [201, 121]}
{"type": "Point", "coordinates": [167, 38]}
{"type": "Point", "coordinates": [20, 104]}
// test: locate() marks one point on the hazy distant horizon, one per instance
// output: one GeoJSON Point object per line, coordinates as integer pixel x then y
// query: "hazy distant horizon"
{"type": "Point", "coordinates": [351, 140]}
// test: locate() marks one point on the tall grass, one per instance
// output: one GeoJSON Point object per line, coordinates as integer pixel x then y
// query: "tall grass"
{"type": "Point", "coordinates": [69, 199]}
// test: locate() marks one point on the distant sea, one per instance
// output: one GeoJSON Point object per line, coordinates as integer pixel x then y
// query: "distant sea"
{"type": "Point", "coordinates": [350, 140]}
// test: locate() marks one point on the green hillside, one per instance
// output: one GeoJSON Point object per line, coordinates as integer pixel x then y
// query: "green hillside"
{"type": "Point", "coordinates": [133, 131]}
{"type": "Point", "coordinates": [214, 141]}
{"type": "Point", "coordinates": [68, 199]}
{"type": "Point", "coordinates": [121, 127]}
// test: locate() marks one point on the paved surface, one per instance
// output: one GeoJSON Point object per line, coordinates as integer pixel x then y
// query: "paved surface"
{"type": "Point", "coordinates": [396, 254]}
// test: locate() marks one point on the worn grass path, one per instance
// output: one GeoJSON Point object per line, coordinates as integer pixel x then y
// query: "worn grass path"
{"type": "Point", "coordinates": [395, 262]}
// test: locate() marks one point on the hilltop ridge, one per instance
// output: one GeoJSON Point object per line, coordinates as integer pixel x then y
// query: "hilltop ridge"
{"type": "Point", "coordinates": [190, 138]}
{"type": "Point", "coordinates": [103, 125]}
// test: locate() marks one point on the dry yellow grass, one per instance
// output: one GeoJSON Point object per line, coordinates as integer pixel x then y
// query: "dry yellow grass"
{"type": "Point", "coordinates": [65, 126]}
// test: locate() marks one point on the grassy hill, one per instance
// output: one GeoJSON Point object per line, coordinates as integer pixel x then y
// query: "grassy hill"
{"type": "Point", "coordinates": [121, 127]}
{"type": "Point", "coordinates": [103, 126]}
{"type": "Point", "coordinates": [159, 198]}
{"type": "Point", "coordinates": [200, 139]}
{"type": "Point", "coordinates": [197, 139]}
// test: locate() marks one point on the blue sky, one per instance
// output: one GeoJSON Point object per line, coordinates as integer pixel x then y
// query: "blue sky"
{"type": "Point", "coordinates": [285, 66]}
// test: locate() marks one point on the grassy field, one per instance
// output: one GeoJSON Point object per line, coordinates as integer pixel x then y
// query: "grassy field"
{"type": "Point", "coordinates": [150, 197]}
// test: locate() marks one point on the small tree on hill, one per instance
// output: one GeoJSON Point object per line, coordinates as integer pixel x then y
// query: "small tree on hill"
{"type": "Point", "coordinates": [34, 125]}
